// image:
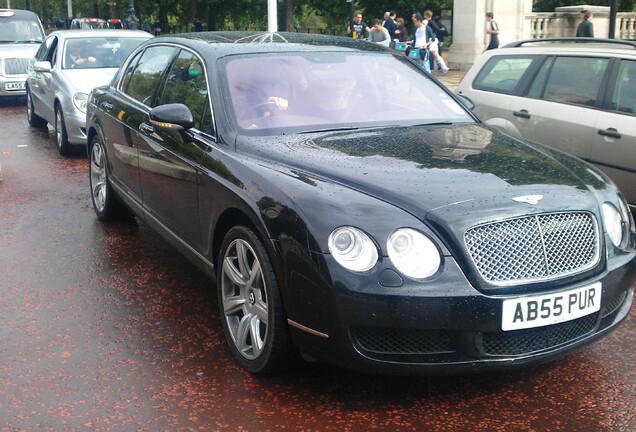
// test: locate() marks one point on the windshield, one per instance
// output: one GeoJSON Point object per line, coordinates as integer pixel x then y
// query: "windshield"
{"type": "Point", "coordinates": [305, 92]}
{"type": "Point", "coordinates": [16, 30]}
{"type": "Point", "coordinates": [98, 52]}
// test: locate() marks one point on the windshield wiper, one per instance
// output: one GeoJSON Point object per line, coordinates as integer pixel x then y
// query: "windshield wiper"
{"type": "Point", "coordinates": [335, 129]}
{"type": "Point", "coordinates": [348, 128]}
{"type": "Point", "coordinates": [441, 123]}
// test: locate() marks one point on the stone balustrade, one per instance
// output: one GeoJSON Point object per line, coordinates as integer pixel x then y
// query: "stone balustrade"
{"type": "Point", "coordinates": [563, 23]}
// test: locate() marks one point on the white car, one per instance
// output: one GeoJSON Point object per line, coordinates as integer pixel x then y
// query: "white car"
{"type": "Point", "coordinates": [68, 65]}
{"type": "Point", "coordinates": [21, 34]}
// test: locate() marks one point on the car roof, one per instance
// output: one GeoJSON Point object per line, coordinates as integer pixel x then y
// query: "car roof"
{"type": "Point", "coordinates": [228, 43]}
{"type": "Point", "coordinates": [82, 34]}
{"type": "Point", "coordinates": [569, 42]}
{"type": "Point", "coordinates": [17, 13]}
{"type": "Point", "coordinates": [598, 47]}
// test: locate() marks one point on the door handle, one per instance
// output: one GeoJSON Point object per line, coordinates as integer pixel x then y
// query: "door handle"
{"type": "Point", "coordinates": [609, 132]}
{"type": "Point", "coordinates": [522, 114]}
{"type": "Point", "coordinates": [106, 106]}
{"type": "Point", "coordinates": [147, 128]}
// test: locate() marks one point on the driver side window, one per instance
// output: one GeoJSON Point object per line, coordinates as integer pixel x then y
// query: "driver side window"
{"type": "Point", "coordinates": [186, 84]}
{"type": "Point", "coordinates": [145, 79]}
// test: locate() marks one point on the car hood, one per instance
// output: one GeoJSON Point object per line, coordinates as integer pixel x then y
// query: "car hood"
{"type": "Point", "coordinates": [84, 80]}
{"type": "Point", "coordinates": [13, 50]}
{"type": "Point", "coordinates": [439, 173]}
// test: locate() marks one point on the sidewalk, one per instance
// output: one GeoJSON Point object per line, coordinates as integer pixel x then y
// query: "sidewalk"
{"type": "Point", "coordinates": [451, 79]}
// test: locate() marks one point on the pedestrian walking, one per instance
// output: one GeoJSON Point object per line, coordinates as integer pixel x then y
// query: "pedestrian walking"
{"type": "Point", "coordinates": [422, 39]}
{"type": "Point", "coordinates": [435, 56]}
{"type": "Point", "coordinates": [158, 27]}
{"type": "Point", "coordinates": [585, 28]}
{"type": "Point", "coordinates": [492, 30]}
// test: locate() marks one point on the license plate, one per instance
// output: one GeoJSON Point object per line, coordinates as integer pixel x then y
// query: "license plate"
{"type": "Point", "coordinates": [542, 310]}
{"type": "Point", "coordinates": [14, 86]}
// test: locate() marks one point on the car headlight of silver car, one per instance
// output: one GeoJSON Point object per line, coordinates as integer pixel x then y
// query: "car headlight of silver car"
{"type": "Point", "coordinates": [615, 224]}
{"type": "Point", "coordinates": [80, 100]}
{"type": "Point", "coordinates": [413, 253]}
{"type": "Point", "coordinates": [353, 249]}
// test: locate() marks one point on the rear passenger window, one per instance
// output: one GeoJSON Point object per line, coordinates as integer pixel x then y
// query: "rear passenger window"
{"type": "Point", "coordinates": [624, 97]}
{"type": "Point", "coordinates": [502, 74]}
{"type": "Point", "coordinates": [575, 80]}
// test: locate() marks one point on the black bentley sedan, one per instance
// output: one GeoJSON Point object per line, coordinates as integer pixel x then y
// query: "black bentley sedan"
{"type": "Point", "coordinates": [352, 210]}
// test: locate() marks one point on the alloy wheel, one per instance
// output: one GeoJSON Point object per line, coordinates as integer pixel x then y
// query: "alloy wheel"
{"type": "Point", "coordinates": [98, 177]}
{"type": "Point", "coordinates": [244, 299]}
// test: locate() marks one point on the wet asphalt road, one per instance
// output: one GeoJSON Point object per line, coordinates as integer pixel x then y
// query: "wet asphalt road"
{"type": "Point", "coordinates": [107, 328]}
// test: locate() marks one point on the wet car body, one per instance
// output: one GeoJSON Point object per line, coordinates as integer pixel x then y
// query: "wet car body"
{"type": "Point", "coordinates": [57, 92]}
{"type": "Point", "coordinates": [479, 197]}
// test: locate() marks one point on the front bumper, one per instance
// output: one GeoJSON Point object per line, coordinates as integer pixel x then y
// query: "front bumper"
{"type": "Point", "coordinates": [12, 85]}
{"type": "Point", "coordinates": [439, 327]}
{"type": "Point", "coordinates": [75, 122]}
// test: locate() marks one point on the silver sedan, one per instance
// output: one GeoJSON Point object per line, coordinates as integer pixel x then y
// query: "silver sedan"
{"type": "Point", "coordinates": [68, 65]}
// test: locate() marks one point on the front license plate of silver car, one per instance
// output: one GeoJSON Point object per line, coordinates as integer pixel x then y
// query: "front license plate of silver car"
{"type": "Point", "coordinates": [12, 86]}
{"type": "Point", "coordinates": [542, 310]}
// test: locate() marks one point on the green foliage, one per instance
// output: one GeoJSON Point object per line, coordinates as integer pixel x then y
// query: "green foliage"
{"type": "Point", "coordinates": [330, 16]}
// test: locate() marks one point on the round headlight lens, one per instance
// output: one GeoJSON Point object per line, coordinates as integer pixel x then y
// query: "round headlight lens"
{"type": "Point", "coordinates": [80, 100]}
{"type": "Point", "coordinates": [613, 223]}
{"type": "Point", "coordinates": [353, 249]}
{"type": "Point", "coordinates": [413, 253]}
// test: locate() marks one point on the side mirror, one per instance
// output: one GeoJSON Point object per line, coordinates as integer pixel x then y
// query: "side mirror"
{"type": "Point", "coordinates": [468, 104]}
{"type": "Point", "coordinates": [42, 66]}
{"type": "Point", "coordinates": [172, 116]}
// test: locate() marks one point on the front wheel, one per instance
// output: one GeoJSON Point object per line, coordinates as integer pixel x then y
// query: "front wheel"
{"type": "Point", "coordinates": [33, 119]}
{"type": "Point", "coordinates": [250, 304]}
{"type": "Point", "coordinates": [105, 203]}
{"type": "Point", "coordinates": [61, 136]}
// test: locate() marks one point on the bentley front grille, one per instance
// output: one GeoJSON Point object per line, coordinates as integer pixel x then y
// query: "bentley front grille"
{"type": "Point", "coordinates": [534, 248]}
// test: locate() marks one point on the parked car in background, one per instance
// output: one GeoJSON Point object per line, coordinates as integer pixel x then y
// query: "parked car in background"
{"type": "Point", "coordinates": [381, 233]}
{"type": "Point", "coordinates": [21, 34]}
{"type": "Point", "coordinates": [576, 95]}
{"type": "Point", "coordinates": [114, 23]}
{"type": "Point", "coordinates": [88, 23]}
{"type": "Point", "coordinates": [65, 69]}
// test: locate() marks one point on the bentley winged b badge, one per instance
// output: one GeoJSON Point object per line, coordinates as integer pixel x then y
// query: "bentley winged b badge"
{"type": "Point", "coordinates": [529, 199]}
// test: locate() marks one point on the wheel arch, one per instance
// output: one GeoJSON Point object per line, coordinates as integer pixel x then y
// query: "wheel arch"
{"type": "Point", "coordinates": [505, 126]}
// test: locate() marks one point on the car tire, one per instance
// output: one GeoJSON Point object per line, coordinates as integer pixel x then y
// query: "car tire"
{"type": "Point", "coordinates": [34, 119]}
{"type": "Point", "coordinates": [61, 137]}
{"type": "Point", "coordinates": [250, 304]}
{"type": "Point", "coordinates": [106, 204]}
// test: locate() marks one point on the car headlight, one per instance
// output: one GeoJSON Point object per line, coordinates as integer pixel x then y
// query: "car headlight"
{"type": "Point", "coordinates": [627, 215]}
{"type": "Point", "coordinates": [413, 253]}
{"type": "Point", "coordinates": [80, 100]}
{"type": "Point", "coordinates": [353, 249]}
{"type": "Point", "coordinates": [614, 224]}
